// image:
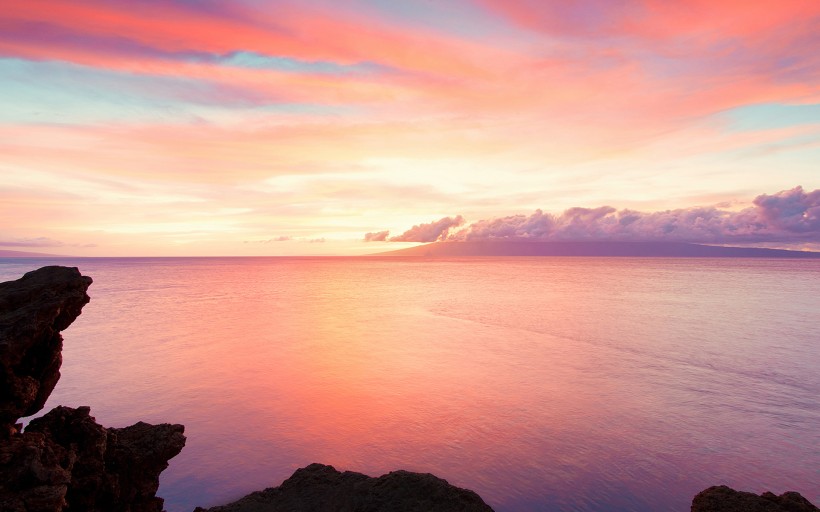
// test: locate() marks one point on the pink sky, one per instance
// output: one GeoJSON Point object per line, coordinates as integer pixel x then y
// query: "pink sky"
{"type": "Point", "coordinates": [170, 127]}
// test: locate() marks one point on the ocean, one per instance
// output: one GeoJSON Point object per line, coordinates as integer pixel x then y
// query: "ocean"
{"type": "Point", "coordinates": [554, 384]}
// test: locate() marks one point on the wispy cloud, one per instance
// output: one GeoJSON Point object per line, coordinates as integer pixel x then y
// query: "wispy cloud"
{"type": "Point", "coordinates": [41, 241]}
{"type": "Point", "coordinates": [30, 242]}
{"type": "Point", "coordinates": [282, 238]}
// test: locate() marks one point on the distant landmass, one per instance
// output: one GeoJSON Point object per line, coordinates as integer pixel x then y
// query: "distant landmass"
{"type": "Point", "coordinates": [593, 248]}
{"type": "Point", "coordinates": [26, 254]}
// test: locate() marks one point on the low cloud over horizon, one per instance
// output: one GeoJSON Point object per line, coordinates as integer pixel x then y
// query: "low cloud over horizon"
{"type": "Point", "coordinates": [378, 236]}
{"type": "Point", "coordinates": [789, 216]}
{"type": "Point", "coordinates": [431, 232]}
{"type": "Point", "coordinates": [40, 242]}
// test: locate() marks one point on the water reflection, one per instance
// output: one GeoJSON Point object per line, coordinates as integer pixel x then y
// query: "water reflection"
{"type": "Point", "coordinates": [542, 384]}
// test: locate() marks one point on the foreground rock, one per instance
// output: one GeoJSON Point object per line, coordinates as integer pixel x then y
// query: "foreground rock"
{"type": "Point", "coordinates": [65, 461]}
{"type": "Point", "coordinates": [320, 488]}
{"type": "Point", "coordinates": [725, 499]}
{"type": "Point", "coordinates": [33, 311]}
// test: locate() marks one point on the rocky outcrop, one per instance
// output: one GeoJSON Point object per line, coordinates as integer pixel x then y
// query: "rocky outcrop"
{"type": "Point", "coordinates": [33, 311]}
{"type": "Point", "coordinates": [320, 488]}
{"type": "Point", "coordinates": [725, 499]}
{"type": "Point", "coordinates": [65, 460]}
{"type": "Point", "coordinates": [114, 469]}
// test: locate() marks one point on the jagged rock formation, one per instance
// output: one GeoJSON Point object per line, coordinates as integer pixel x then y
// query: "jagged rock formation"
{"type": "Point", "coordinates": [320, 488]}
{"type": "Point", "coordinates": [33, 311]}
{"type": "Point", "coordinates": [65, 461]}
{"type": "Point", "coordinates": [725, 499]}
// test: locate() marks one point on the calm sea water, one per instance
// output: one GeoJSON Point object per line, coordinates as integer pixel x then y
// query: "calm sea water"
{"type": "Point", "coordinates": [542, 384]}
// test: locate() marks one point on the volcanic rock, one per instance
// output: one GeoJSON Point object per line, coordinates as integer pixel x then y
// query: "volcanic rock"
{"type": "Point", "coordinates": [31, 475]}
{"type": "Point", "coordinates": [112, 469]}
{"type": "Point", "coordinates": [725, 499]}
{"type": "Point", "coordinates": [320, 488]}
{"type": "Point", "coordinates": [65, 460]}
{"type": "Point", "coordinates": [33, 311]}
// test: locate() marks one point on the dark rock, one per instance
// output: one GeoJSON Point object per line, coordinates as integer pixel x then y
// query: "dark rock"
{"type": "Point", "coordinates": [31, 474]}
{"type": "Point", "coordinates": [320, 488]}
{"type": "Point", "coordinates": [136, 456]}
{"type": "Point", "coordinates": [65, 461]}
{"type": "Point", "coordinates": [81, 445]}
{"type": "Point", "coordinates": [33, 311]}
{"type": "Point", "coordinates": [725, 499]}
{"type": "Point", "coordinates": [114, 469]}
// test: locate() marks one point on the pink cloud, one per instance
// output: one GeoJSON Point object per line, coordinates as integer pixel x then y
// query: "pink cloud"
{"type": "Point", "coordinates": [378, 236]}
{"type": "Point", "coordinates": [670, 60]}
{"type": "Point", "coordinates": [787, 216]}
{"type": "Point", "coordinates": [430, 232]}
{"type": "Point", "coordinates": [696, 21]}
{"type": "Point", "coordinates": [282, 238]}
{"type": "Point", "coordinates": [642, 69]}
{"type": "Point", "coordinates": [291, 29]}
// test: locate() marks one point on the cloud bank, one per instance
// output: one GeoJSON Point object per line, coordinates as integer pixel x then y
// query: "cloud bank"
{"type": "Point", "coordinates": [432, 232]}
{"type": "Point", "coordinates": [789, 216]}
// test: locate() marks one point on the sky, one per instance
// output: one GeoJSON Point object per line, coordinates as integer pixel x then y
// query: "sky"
{"type": "Point", "coordinates": [267, 127]}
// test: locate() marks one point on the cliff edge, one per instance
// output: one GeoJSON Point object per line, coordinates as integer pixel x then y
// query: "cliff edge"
{"type": "Point", "coordinates": [65, 460]}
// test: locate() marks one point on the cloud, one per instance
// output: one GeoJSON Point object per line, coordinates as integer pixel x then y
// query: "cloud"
{"type": "Point", "coordinates": [378, 236]}
{"type": "Point", "coordinates": [31, 242]}
{"type": "Point", "coordinates": [787, 216]}
{"type": "Point", "coordinates": [335, 36]}
{"type": "Point", "coordinates": [269, 240]}
{"type": "Point", "coordinates": [792, 211]}
{"type": "Point", "coordinates": [431, 232]}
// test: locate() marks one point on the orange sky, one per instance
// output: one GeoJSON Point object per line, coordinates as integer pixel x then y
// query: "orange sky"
{"type": "Point", "coordinates": [170, 127]}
